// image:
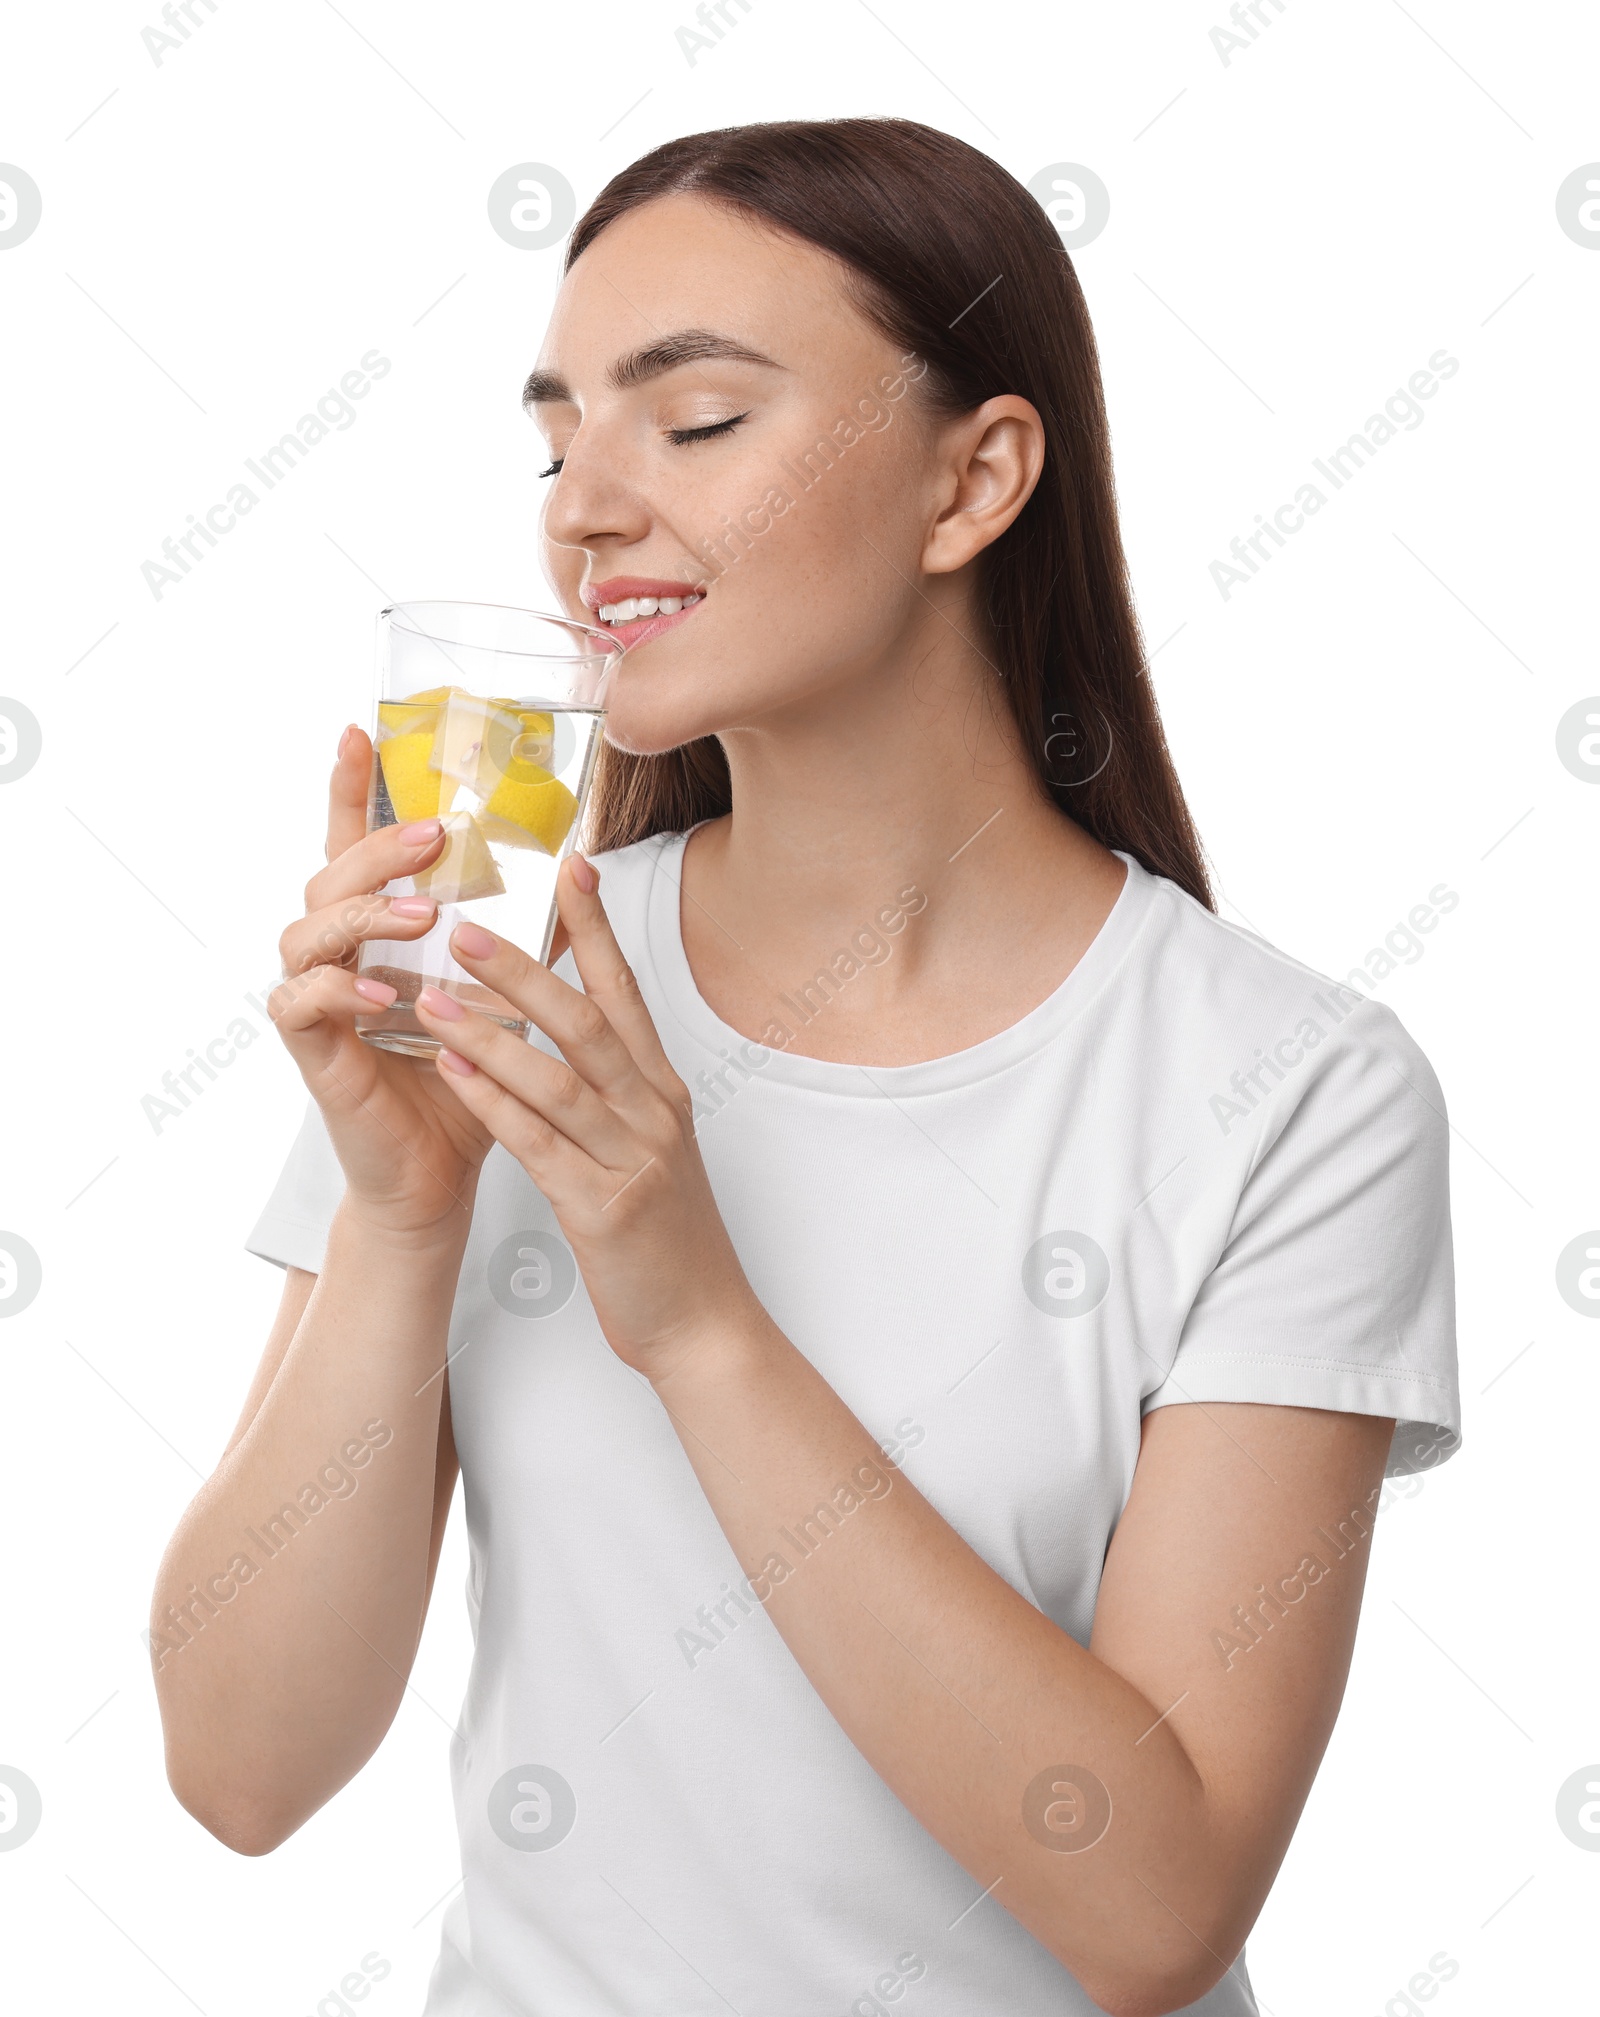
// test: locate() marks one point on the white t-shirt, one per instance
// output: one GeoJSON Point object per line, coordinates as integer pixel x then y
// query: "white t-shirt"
{"type": "Point", "coordinates": [1197, 1172]}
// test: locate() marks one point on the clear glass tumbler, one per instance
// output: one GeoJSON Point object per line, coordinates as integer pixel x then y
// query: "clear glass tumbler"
{"type": "Point", "coordinates": [489, 719]}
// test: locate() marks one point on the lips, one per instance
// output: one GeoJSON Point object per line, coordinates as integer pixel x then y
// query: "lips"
{"type": "Point", "coordinates": [621, 588]}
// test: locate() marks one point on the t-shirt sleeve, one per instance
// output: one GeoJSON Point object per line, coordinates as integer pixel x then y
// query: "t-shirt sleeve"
{"type": "Point", "coordinates": [1336, 1285]}
{"type": "Point", "coordinates": [293, 1227]}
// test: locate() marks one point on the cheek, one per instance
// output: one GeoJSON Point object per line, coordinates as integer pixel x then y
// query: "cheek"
{"type": "Point", "coordinates": [833, 533]}
{"type": "Point", "coordinates": [832, 579]}
{"type": "Point", "coordinates": [801, 597]}
{"type": "Point", "coordinates": [781, 627]}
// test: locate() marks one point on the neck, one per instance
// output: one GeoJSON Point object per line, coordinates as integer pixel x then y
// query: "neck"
{"type": "Point", "coordinates": [911, 779]}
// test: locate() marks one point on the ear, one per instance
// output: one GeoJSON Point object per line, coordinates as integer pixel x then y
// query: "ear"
{"type": "Point", "coordinates": [992, 458]}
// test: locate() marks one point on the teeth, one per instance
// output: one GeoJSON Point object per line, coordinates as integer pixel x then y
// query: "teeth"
{"type": "Point", "coordinates": [638, 606]}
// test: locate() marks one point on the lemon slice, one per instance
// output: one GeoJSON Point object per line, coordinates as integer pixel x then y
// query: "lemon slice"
{"type": "Point", "coordinates": [418, 711]}
{"type": "Point", "coordinates": [414, 789]}
{"type": "Point", "coordinates": [466, 870]}
{"type": "Point", "coordinates": [529, 808]}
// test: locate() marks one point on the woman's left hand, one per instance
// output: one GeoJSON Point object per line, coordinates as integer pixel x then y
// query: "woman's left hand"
{"type": "Point", "coordinates": [608, 1136]}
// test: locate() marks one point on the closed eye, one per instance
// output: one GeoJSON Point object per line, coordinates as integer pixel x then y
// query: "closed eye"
{"type": "Point", "coordinates": [680, 437]}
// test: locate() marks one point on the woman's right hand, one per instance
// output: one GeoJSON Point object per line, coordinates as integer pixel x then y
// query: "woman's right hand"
{"type": "Point", "coordinates": [409, 1149]}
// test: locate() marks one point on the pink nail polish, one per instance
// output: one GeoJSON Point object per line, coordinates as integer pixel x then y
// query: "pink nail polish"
{"type": "Point", "coordinates": [378, 991]}
{"type": "Point", "coordinates": [412, 906]}
{"type": "Point", "coordinates": [475, 942]}
{"type": "Point", "coordinates": [454, 1062]}
{"type": "Point", "coordinates": [436, 1003]}
{"type": "Point", "coordinates": [420, 832]}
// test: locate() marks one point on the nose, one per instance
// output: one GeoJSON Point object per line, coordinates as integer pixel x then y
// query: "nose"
{"type": "Point", "coordinates": [593, 502]}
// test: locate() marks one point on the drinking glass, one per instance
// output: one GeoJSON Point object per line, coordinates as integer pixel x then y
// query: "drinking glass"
{"type": "Point", "coordinates": [489, 719]}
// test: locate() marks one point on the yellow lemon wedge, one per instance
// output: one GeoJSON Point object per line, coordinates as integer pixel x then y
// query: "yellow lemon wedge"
{"type": "Point", "coordinates": [529, 808]}
{"type": "Point", "coordinates": [414, 789]}
{"type": "Point", "coordinates": [466, 870]}
{"type": "Point", "coordinates": [417, 711]}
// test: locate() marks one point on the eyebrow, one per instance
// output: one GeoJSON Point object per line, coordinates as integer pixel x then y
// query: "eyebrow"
{"type": "Point", "coordinates": [683, 346]}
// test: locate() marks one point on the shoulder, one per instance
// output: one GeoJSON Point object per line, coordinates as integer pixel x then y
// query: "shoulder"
{"type": "Point", "coordinates": [626, 873]}
{"type": "Point", "coordinates": [1274, 1037]}
{"type": "Point", "coordinates": [621, 866]}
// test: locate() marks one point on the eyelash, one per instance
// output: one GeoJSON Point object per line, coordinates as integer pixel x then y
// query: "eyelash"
{"type": "Point", "coordinates": [680, 437]}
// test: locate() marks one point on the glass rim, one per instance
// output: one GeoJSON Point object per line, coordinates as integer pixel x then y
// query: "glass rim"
{"type": "Point", "coordinates": [612, 646]}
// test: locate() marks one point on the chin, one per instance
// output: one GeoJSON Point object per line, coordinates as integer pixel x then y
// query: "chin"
{"type": "Point", "coordinates": [660, 704]}
{"type": "Point", "coordinates": [653, 728]}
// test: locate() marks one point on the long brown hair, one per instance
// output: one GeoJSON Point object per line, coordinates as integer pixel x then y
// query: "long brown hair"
{"type": "Point", "coordinates": [951, 258]}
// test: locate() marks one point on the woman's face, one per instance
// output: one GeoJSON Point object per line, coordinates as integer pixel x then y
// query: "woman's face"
{"type": "Point", "coordinates": [727, 426]}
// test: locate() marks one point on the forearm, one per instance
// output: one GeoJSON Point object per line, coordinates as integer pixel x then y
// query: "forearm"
{"type": "Point", "coordinates": [956, 1690]}
{"type": "Point", "coordinates": [290, 1600]}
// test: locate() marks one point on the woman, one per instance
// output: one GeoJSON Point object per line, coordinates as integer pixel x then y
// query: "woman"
{"type": "Point", "coordinates": [925, 1325]}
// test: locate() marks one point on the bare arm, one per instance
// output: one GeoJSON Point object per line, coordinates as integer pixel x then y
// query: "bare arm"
{"type": "Point", "coordinates": [290, 1601]}
{"type": "Point", "coordinates": [1129, 1803]}
{"type": "Point", "coordinates": [291, 1598]}
{"type": "Point", "coordinates": [297, 1286]}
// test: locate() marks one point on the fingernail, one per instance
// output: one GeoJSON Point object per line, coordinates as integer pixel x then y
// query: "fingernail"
{"type": "Point", "coordinates": [440, 1004]}
{"type": "Point", "coordinates": [344, 740]}
{"type": "Point", "coordinates": [584, 876]}
{"type": "Point", "coordinates": [420, 832]}
{"type": "Point", "coordinates": [378, 991]}
{"type": "Point", "coordinates": [454, 1062]}
{"type": "Point", "coordinates": [474, 941]}
{"type": "Point", "coordinates": [412, 906]}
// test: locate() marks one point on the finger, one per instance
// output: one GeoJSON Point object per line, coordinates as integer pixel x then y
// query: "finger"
{"type": "Point", "coordinates": [607, 978]}
{"type": "Point", "coordinates": [305, 1008]}
{"type": "Point", "coordinates": [375, 859]}
{"type": "Point", "coordinates": [334, 934]}
{"type": "Point", "coordinates": [347, 791]}
{"type": "Point", "coordinates": [555, 1097]}
{"type": "Point", "coordinates": [556, 1164]}
{"type": "Point", "coordinates": [578, 1025]}
{"type": "Point", "coordinates": [314, 1015]}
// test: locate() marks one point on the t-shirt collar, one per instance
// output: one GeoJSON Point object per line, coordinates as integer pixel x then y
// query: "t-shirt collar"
{"type": "Point", "coordinates": [675, 988]}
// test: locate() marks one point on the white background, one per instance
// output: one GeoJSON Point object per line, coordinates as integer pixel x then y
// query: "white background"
{"type": "Point", "coordinates": [1292, 234]}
